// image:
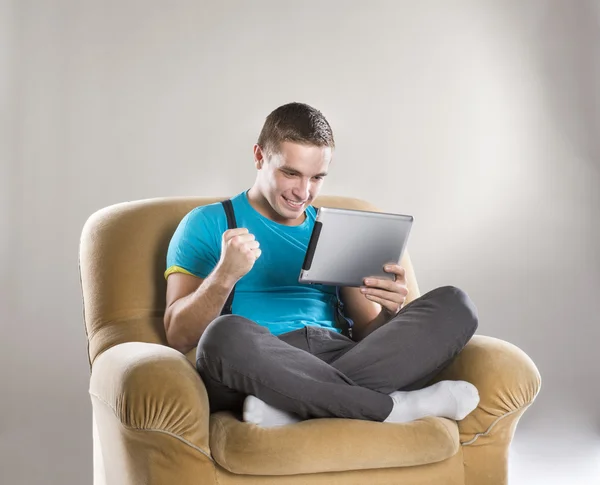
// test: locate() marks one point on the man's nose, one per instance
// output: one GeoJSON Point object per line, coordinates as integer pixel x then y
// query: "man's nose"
{"type": "Point", "coordinates": [302, 190]}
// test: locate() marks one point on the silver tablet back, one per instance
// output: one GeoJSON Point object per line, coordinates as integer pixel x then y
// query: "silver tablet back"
{"type": "Point", "coordinates": [348, 245]}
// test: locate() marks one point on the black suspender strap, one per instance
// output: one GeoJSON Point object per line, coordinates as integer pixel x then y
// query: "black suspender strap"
{"type": "Point", "coordinates": [231, 224]}
{"type": "Point", "coordinates": [228, 206]}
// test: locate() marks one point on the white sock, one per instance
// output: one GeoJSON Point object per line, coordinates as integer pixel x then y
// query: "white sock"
{"type": "Point", "coordinates": [262, 414]}
{"type": "Point", "coordinates": [449, 399]}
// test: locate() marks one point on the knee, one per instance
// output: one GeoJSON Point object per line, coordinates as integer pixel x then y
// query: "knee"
{"type": "Point", "coordinates": [461, 306]}
{"type": "Point", "coordinates": [224, 337]}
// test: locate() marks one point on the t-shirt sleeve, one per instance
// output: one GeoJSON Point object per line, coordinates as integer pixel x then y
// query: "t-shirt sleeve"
{"type": "Point", "coordinates": [195, 246]}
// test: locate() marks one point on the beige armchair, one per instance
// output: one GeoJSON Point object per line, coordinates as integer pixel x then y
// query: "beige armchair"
{"type": "Point", "coordinates": [151, 420]}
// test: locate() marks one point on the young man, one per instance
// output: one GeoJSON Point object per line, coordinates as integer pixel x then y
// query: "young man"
{"type": "Point", "coordinates": [280, 356]}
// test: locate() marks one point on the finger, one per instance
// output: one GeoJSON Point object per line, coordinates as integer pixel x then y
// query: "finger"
{"type": "Point", "coordinates": [252, 244]}
{"type": "Point", "coordinates": [390, 306]}
{"type": "Point", "coordinates": [242, 239]}
{"type": "Point", "coordinates": [389, 285]}
{"type": "Point", "coordinates": [395, 269]}
{"type": "Point", "coordinates": [230, 233]}
{"type": "Point", "coordinates": [394, 297]}
{"type": "Point", "coordinates": [257, 253]}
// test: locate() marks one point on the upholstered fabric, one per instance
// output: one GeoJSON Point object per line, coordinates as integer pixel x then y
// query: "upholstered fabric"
{"type": "Point", "coordinates": [151, 418]}
{"type": "Point", "coordinates": [309, 446]}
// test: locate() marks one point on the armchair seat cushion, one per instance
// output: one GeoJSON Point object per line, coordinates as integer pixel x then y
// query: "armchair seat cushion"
{"type": "Point", "coordinates": [329, 445]}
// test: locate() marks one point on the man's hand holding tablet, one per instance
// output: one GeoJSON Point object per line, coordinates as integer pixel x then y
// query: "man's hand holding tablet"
{"type": "Point", "coordinates": [389, 294]}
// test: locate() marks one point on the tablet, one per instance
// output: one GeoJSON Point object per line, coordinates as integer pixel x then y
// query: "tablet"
{"type": "Point", "coordinates": [348, 245]}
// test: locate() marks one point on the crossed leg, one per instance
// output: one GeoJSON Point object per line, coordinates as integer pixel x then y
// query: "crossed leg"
{"type": "Point", "coordinates": [314, 374]}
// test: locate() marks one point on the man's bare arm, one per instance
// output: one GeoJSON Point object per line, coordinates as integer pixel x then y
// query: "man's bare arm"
{"type": "Point", "coordinates": [192, 303]}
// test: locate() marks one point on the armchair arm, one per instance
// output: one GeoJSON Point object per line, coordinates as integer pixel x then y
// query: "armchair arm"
{"type": "Point", "coordinates": [137, 388]}
{"type": "Point", "coordinates": [507, 380]}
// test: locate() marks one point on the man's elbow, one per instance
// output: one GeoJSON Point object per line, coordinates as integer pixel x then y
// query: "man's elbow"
{"type": "Point", "coordinates": [175, 339]}
{"type": "Point", "coordinates": [176, 342]}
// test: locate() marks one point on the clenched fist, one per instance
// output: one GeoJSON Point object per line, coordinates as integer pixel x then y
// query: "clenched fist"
{"type": "Point", "coordinates": [239, 251]}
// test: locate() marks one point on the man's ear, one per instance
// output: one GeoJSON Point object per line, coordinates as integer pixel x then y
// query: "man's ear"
{"type": "Point", "coordinates": [259, 157]}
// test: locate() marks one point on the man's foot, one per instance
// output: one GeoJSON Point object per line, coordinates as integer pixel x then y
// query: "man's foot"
{"type": "Point", "coordinates": [449, 399]}
{"type": "Point", "coordinates": [261, 414]}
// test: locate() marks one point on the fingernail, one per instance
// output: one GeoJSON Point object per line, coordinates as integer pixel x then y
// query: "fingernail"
{"type": "Point", "coordinates": [368, 282]}
{"type": "Point", "coordinates": [364, 290]}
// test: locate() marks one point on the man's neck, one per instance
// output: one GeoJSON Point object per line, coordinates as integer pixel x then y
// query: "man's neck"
{"type": "Point", "coordinates": [263, 207]}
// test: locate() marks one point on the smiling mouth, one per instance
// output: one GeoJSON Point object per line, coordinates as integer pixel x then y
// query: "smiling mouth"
{"type": "Point", "coordinates": [293, 204]}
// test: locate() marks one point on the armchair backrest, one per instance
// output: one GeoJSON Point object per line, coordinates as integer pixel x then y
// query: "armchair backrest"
{"type": "Point", "coordinates": [122, 259]}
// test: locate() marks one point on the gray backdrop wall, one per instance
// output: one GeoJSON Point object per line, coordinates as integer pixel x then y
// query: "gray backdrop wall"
{"type": "Point", "coordinates": [480, 118]}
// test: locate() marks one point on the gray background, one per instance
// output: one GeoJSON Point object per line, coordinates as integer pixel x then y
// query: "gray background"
{"type": "Point", "coordinates": [480, 118]}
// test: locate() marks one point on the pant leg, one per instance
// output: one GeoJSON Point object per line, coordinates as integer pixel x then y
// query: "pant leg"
{"type": "Point", "coordinates": [245, 357]}
{"type": "Point", "coordinates": [223, 398]}
{"type": "Point", "coordinates": [415, 345]}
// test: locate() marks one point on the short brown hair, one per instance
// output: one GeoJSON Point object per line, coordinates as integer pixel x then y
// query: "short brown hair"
{"type": "Point", "coordinates": [295, 122]}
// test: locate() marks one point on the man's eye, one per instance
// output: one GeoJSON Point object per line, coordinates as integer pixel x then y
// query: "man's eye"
{"type": "Point", "coordinates": [318, 177]}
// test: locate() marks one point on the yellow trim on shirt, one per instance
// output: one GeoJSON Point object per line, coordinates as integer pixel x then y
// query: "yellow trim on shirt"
{"type": "Point", "coordinates": [177, 269]}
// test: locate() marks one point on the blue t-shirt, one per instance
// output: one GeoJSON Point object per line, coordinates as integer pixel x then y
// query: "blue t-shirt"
{"type": "Point", "coordinates": [269, 294]}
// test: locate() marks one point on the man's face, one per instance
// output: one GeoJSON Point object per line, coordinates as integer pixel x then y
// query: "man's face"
{"type": "Point", "coordinates": [290, 179]}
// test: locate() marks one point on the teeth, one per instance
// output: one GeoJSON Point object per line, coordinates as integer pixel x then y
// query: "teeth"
{"type": "Point", "coordinates": [297, 204]}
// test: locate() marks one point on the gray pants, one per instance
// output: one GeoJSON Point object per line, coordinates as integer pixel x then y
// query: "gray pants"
{"type": "Point", "coordinates": [316, 373]}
